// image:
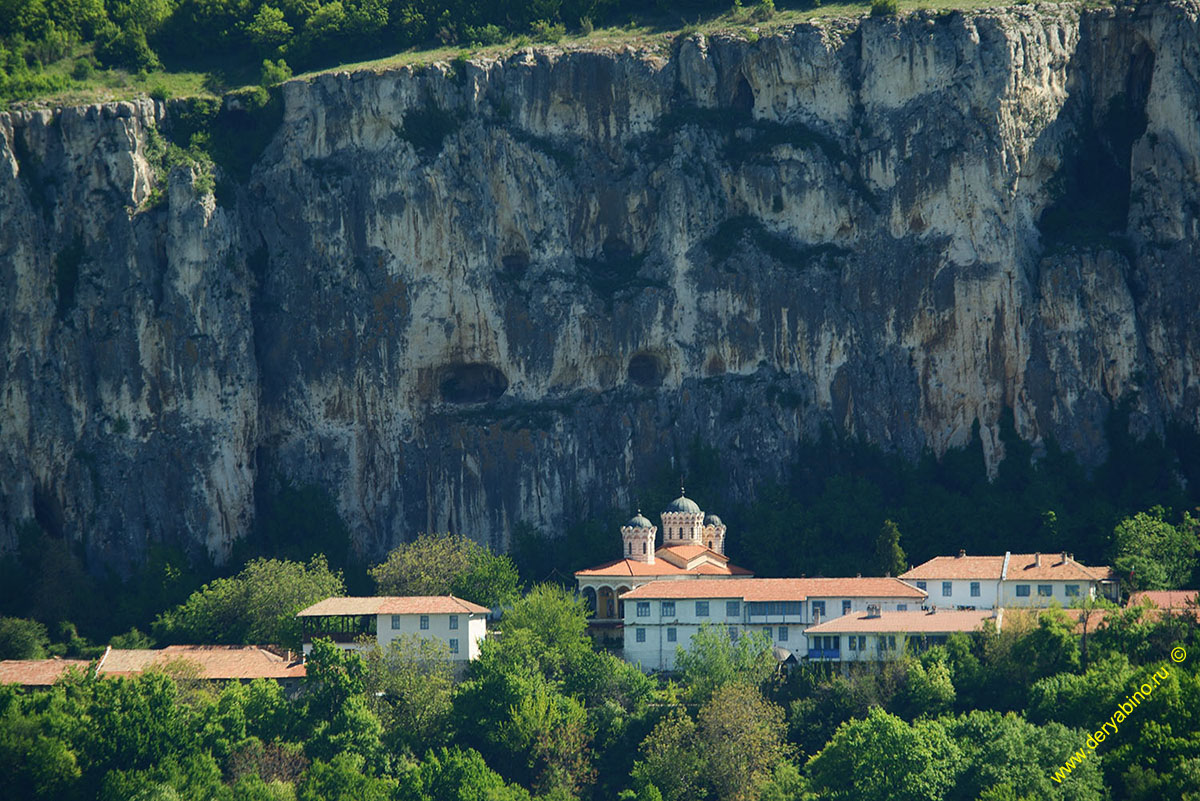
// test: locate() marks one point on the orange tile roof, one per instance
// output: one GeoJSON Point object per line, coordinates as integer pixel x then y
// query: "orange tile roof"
{"type": "Point", "coordinates": [1166, 599]}
{"type": "Point", "coordinates": [216, 661]}
{"type": "Point", "coordinates": [778, 589]}
{"type": "Point", "coordinates": [1021, 566]}
{"type": "Point", "coordinates": [393, 605]}
{"type": "Point", "coordinates": [1095, 620]}
{"type": "Point", "coordinates": [37, 672]}
{"type": "Point", "coordinates": [662, 567]}
{"type": "Point", "coordinates": [946, 620]}
{"type": "Point", "coordinates": [1053, 568]}
{"type": "Point", "coordinates": [957, 567]}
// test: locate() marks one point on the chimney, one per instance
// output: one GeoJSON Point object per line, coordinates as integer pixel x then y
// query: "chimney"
{"type": "Point", "coordinates": [1066, 557]}
{"type": "Point", "coordinates": [933, 609]}
{"type": "Point", "coordinates": [872, 610]}
{"type": "Point", "coordinates": [1037, 559]}
{"type": "Point", "coordinates": [962, 552]}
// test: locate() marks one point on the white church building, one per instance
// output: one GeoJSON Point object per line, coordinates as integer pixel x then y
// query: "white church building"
{"type": "Point", "coordinates": [693, 547]}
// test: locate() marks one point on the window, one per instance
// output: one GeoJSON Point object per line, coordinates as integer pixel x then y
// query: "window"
{"type": "Point", "coordinates": [974, 589]}
{"type": "Point", "coordinates": [701, 608]}
{"type": "Point", "coordinates": [845, 607]}
{"type": "Point", "coordinates": [891, 642]}
{"type": "Point", "coordinates": [453, 646]}
{"type": "Point", "coordinates": [862, 643]}
{"type": "Point", "coordinates": [629, 548]}
{"type": "Point", "coordinates": [641, 635]}
{"type": "Point", "coordinates": [395, 622]}
{"type": "Point", "coordinates": [947, 588]}
{"type": "Point", "coordinates": [424, 622]}
{"type": "Point", "coordinates": [733, 634]}
{"type": "Point", "coordinates": [643, 547]}
{"type": "Point", "coordinates": [770, 632]}
{"type": "Point", "coordinates": [1045, 590]}
{"type": "Point", "coordinates": [921, 585]}
{"type": "Point", "coordinates": [1072, 590]}
{"type": "Point", "coordinates": [733, 609]}
{"type": "Point", "coordinates": [1022, 590]}
{"type": "Point", "coordinates": [901, 607]}
{"type": "Point", "coordinates": [668, 608]}
{"type": "Point", "coordinates": [760, 608]}
{"type": "Point", "coordinates": [818, 608]}
{"type": "Point", "coordinates": [852, 643]}
{"type": "Point", "coordinates": [783, 633]}
{"type": "Point", "coordinates": [671, 635]}
{"type": "Point", "coordinates": [453, 622]}
{"type": "Point", "coordinates": [643, 609]}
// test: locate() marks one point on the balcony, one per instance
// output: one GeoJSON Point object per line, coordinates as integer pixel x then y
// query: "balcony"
{"type": "Point", "coordinates": [824, 653]}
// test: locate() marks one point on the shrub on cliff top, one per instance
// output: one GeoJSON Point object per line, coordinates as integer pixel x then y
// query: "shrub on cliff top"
{"type": "Point", "coordinates": [885, 8]}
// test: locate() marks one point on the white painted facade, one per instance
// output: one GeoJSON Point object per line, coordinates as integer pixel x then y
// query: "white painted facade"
{"type": "Point", "coordinates": [460, 633]}
{"type": "Point", "coordinates": [1013, 580]}
{"type": "Point", "coordinates": [1044, 592]}
{"type": "Point", "coordinates": [655, 628]}
{"type": "Point", "coordinates": [960, 592]}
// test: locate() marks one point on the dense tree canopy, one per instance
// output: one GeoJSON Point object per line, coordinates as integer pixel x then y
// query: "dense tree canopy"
{"type": "Point", "coordinates": [448, 564]}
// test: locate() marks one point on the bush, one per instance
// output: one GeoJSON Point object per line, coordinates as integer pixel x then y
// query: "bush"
{"type": "Point", "coordinates": [585, 26]}
{"type": "Point", "coordinates": [484, 35]}
{"type": "Point", "coordinates": [160, 93]}
{"type": "Point", "coordinates": [885, 8]}
{"type": "Point", "coordinates": [83, 69]}
{"type": "Point", "coordinates": [544, 31]}
{"type": "Point", "coordinates": [764, 11]}
{"type": "Point", "coordinates": [22, 639]}
{"type": "Point", "coordinates": [274, 72]}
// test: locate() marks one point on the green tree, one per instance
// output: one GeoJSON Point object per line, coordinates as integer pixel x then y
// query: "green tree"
{"type": "Point", "coordinates": [1153, 553]}
{"type": "Point", "coordinates": [672, 760]}
{"type": "Point", "coordinates": [713, 660]}
{"type": "Point", "coordinates": [883, 758]}
{"type": "Point", "coordinates": [741, 735]}
{"type": "Point", "coordinates": [22, 639]}
{"type": "Point", "coordinates": [445, 564]}
{"type": "Point", "coordinates": [336, 714]}
{"type": "Point", "coordinates": [343, 778]}
{"type": "Point", "coordinates": [456, 775]}
{"type": "Point", "coordinates": [410, 686]}
{"type": "Point", "coordinates": [556, 621]}
{"type": "Point", "coordinates": [889, 556]}
{"type": "Point", "coordinates": [926, 691]}
{"type": "Point", "coordinates": [258, 605]}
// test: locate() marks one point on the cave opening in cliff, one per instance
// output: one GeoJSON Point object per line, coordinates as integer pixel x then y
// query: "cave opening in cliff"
{"type": "Point", "coordinates": [471, 383]}
{"type": "Point", "coordinates": [647, 370]}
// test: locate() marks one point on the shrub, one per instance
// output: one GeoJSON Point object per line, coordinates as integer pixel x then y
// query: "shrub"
{"type": "Point", "coordinates": [585, 26]}
{"type": "Point", "coordinates": [544, 31]}
{"type": "Point", "coordinates": [885, 8]}
{"type": "Point", "coordinates": [83, 69]}
{"type": "Point", "coordinates": [160, 93]}
{"type": "Point", "coordinates": [764, 11]}
{"type": "Point", "coordinates": [274, 72]}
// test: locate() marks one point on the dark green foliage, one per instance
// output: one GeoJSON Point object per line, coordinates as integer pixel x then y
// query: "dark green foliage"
{"type": "Point", "coordinates": [257, 606]}
{"type": "Point", "coordinates": [885, 8]}
{"type": "Point", "coordinates": [22, 639]}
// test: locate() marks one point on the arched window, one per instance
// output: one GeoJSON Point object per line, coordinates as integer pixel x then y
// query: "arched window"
{"type": "Point", "coordinates": [629, 549]}
{"type": "Point", "coordinates": [643, 547]}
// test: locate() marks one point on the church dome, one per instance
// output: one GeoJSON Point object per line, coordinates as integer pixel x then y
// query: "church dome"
{"type": "Point", "coordinates": [683, 504]}
{"type": "Point", "coordinates": [712, 520]}
{"type": "Point", "coordinates": [637, 521]}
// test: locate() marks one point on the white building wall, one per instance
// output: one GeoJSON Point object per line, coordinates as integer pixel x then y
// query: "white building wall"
{"type": "Point", "coordinates": [471, 630]}
{"type": "Point", "coordinates": [657, 652]}
{"type": "Point", "coordinates": [1058, 593]}
{"type": "Point", "coordinates": [960, 592]}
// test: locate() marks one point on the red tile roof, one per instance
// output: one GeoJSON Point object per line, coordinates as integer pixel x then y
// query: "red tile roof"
{"type": "Point", "coordinates": [662, 567]}
{"type": "Point", "coordinates": [215, 661]}
{"type": "Point", "coordinates": [1021, 566]}
{"type": "Point", "coordinates": [957, 567]}
{"type": "Point", "coordinates": [778, 589]}
{"type": "Point", "coordinates": [393, 605]}
{"type": "Point", "coordinates": [1166, 599]}
{"type": "Point", "coordinates": [942, 621]}
{"type": "Point", "coordinates": [1053, 568]}
{"type": "Point", "coordinates": [37, 672]}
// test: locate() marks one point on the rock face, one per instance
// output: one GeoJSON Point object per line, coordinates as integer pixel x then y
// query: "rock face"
{"type": "Point", "coordinates": [460, 298]}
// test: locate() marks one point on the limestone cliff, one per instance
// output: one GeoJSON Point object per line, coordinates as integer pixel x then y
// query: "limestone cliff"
{"type": "Point", "coordinates": [463, 297]}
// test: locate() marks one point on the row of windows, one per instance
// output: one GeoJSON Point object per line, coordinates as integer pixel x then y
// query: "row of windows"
{"type": "Point", "coordinates": [424, 622]}
{"type": "Point", "coordinates": [1044, 590]}
{"type": "Point", "coordinates": [758, 608]}
{"type": "Point", "coordinates": [672, 634]}
{"type": "Point", "coordinates": [732, 609]}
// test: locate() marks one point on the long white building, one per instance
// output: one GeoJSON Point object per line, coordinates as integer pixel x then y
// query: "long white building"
{"type": "Point", "coordinates": [662, 616]}
{"type": "Point", "coordinates": [877, 636]}
{"type": "Point", "coordinates": [1014, 579]}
